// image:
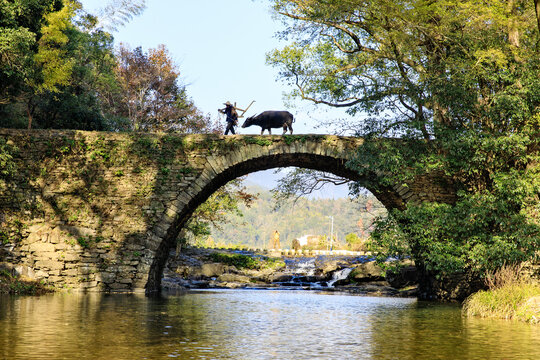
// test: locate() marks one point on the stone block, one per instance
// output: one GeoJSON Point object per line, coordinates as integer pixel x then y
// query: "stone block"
{"type": "Point", "coordinates": [118, 286]}
{"type": "Point", "coordinates": [86, 270]}
{"type": "Point", "coordinates": [79, 231]}
{"type": "Point", "coordinates": [104, 245]}
{"type": "Point", "coordinates": [40, 274]}
{"type": "Point", "coordinates": [106, 277]}
{"type": "Point", "coordinates": [211, 270]}
{"type": "Point", "coordinates": [86, 278]}
{"type": "Point", "coordinates": [139, 283]}
{"type": "Point", "coordinates": [70, 257]}
{"type": "Point", "coordinates": [56, 236]}
{"type": "Point", "coordinates": [40, 247]}
{"type": "Point", "coordinates": [49, 264]}
{"type": "Point", "coordinates": [89, 254]}
{"type": "Point", "coordinates": [34, 237]}
{"type": "Point", "coordinates": [127, 269]}
{"type": "Point", "coordinates": [71, 272]}
{"type": "Point", "coordinates": [48, 255]}
{"type": "Point", "coordinates": [143, 268]}
{"type": "Point", "coordinates": [26, 271]}
{"type": "Point", "coordinates": [37, 228]}
{"type": "Point", "coordinates": [61, 246]}
{"type": "Point", "coordinates": [88, 284]}
{"type": "Point", "coordinates": [233, 278]}
{"type": "Point", "coordinates": [367, 272]}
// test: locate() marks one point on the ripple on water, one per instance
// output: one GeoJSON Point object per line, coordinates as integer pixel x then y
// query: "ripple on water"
{"type": "Point", "coordinates": [249, 324]}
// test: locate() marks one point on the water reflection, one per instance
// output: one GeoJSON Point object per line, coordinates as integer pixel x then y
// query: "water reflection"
{"type": "Point", "coordinates": [252, 325]}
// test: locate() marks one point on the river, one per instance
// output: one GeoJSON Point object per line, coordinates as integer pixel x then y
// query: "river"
{"type": "Point", "coordinates": [252, 324]}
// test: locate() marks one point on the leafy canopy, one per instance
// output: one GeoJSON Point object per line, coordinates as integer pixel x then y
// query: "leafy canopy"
{"type": "Point", "coordinates": [459, 83]}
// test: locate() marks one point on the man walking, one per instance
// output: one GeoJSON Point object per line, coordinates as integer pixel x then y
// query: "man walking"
{"type": "Point", "coordinates": [231, 116]}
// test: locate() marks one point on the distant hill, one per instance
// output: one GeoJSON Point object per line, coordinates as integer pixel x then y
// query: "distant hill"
{"type": "Point", "coordinates": [305, 217]}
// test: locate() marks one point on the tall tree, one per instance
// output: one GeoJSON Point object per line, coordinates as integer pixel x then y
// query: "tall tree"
{"type": "Point", "coordinates": [39, 58]}
{"type": "Point", "coordinates": [459, 82]}
{"type": "Point", "coordinates": [21, 25]}
{"type": "Point", "coordinates": [151, 96]}
{"type": "Point", "coordinates": [77, 104]}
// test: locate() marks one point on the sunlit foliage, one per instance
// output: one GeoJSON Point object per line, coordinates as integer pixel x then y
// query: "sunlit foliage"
{"type": "Point", "coordinates": [459, 83]}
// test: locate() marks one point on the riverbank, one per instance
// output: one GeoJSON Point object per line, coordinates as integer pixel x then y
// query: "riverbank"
{"type": "Point", "coordinates": [511, 295]}
{"type": "Point", "coordinates": [197, 268]}
{"type": "Point", "coordinates": [15, 285]}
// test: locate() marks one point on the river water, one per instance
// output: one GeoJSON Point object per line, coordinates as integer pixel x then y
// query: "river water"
{"type": "Point", "coordinates": [252, 324]}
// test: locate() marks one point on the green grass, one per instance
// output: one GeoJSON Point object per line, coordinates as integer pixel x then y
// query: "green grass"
{"type": "Point", "coordinates": [242, 261]}
{"type": "Point", "coordinates": [238, 260]}
{"type": "Point", "coordinates": [509, 297]}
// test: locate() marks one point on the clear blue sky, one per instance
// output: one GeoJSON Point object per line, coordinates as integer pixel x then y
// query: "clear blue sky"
{"type": "Point", "coordinates": [220, 48]}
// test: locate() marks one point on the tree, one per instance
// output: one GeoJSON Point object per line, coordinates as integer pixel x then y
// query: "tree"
{"type": "Point", "coordinates": [60, 61]}
{"type": "Point", "coordinates": [390, 58]}
{"type": "Point", "coordinates": [77, 103]}
{"type": "Point", "coordinates": [119, 12]}
{"type": "Point", "coordinates": [21, 25]}
{"type": "Point", "coordinates": [217, 209]}
{"type": "Point", "coordinates": [305, 217]}
{"type": "Point", "coordinates": [301, 182]}
{"type": "Point", "coordinates": [150, 95]}
{"type": "Point", "coordinates": [459, 83]}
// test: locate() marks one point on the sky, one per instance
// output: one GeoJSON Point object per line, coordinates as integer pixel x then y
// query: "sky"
{"type": "Point", "coordinates": [220, 47]}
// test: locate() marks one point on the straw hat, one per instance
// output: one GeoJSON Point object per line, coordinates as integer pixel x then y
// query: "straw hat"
{"type": "Point", "coordinates": [228, 103]}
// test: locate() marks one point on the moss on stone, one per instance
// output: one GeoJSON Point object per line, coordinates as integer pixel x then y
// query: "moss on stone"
{"type": "Point", "coordinates": [15, 285]}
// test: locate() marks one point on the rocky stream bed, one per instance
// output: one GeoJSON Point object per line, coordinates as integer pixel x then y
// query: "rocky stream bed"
{"type": "Point", "coordinates": [197, 268]}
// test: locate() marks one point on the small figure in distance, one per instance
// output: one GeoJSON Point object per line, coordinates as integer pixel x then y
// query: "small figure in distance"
{"type": "Point", "coordinates": [275, 240]}
{"type": "Point", "coordinates": [231, 116]}
{"type": "Point", "coordinates": [271, 119]}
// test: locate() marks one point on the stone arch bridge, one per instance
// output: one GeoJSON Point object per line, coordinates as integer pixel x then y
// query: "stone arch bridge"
{"type": "Point", "coordinates": [100, 211]}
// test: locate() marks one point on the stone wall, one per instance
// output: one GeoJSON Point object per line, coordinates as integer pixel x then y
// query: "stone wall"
{"type": "Point", "coordinates": [100, 211]}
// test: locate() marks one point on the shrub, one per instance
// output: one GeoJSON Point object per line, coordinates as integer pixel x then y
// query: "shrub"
{"type": "Point", "coordinates": [238, 260]}
{"type": "Point", "coordinates": [510, 296]}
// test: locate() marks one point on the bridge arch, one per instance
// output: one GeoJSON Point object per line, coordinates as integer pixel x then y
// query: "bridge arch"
{"type": "Point", "coordinates": [328, 156]}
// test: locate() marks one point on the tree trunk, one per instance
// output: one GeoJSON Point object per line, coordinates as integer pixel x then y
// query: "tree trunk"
{"type": "Point", "coordinates": [29, 112]}
{"type": "Point", "coordinates": [537, 10]}
{"type": "Point", "coordinates": [513, 32]}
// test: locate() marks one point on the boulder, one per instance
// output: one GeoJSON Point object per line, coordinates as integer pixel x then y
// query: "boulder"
{"type": "Point", "coordinates": [212, 270]}
{"type": "Point", "coordinates": [326, 267]}
{"type": "Point", "coordinates": [368, 271]}
{"type": "Point", "coordinates": [233, 278]}
{"type": "Point", "coordinates": [280, 277]}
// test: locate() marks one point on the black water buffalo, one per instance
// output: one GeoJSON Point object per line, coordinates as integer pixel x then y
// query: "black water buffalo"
{"type": "Point", "coordinates": [271, 119]}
